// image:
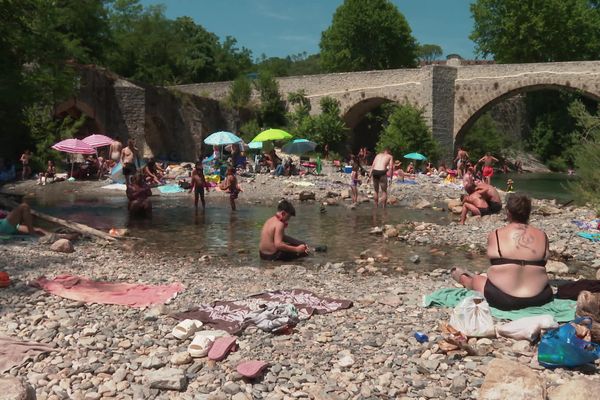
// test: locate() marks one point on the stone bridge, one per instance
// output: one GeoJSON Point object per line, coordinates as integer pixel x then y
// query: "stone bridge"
{"type": "Point", "coordinates": [452, 96]}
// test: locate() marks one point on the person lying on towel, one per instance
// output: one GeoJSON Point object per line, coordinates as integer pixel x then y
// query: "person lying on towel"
{"type": "Point", "coordinates": [274, 244]}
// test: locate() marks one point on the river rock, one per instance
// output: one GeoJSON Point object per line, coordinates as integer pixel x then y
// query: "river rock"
{"type": "Point", "coordinates": [415, 259]}
{"type": "Point", "coordinates": [421, 204]}
{"type": "Point", "coordinates": [345, 194]}
{"type": "Point", "coordinates": [306, 195]}
{"type": "Point", "coordinates": [507, 379]}
{"type": "Point", "coordinates": [451, 203]}
{"type": "Point", "coordinates": [598, 274]}
{"type": "Point", "coordinates": [546, 210]}
{"type": "Point", "coordinates": [167, 378]}
{"type": "Point", "coordinates": [391, 233]}
{"type": "Point", "coordinates": [62, 246]}
{"type": "Point", "coordinates": [556, 267]}
{"type": "Point", "coordinates": [181, 358]}
{"type": "Point", "coordinates": [456, 210]}
{"type": "Point", "coordinates": [577, 389]}
{"type": "Point", "coordinates": [12, 388]}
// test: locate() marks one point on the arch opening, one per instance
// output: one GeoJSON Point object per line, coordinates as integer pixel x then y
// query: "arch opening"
{"type": "Point", "coordinates": [365, 121]}
{"type": "Point", "coordinates": [75, 109]}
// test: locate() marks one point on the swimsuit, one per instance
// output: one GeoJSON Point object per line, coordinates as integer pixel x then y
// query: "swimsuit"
{"type": "Point", "coordinates": [503, 301]}
{"type": "Point", "coordinates": [199, 190]}
{"type": "Point", "coordinates": [7, 228]}
{"type": "Point", "coordinates": [281, 255]}
{"type": "Point", "coordinates": [492, 208]}
{"type": "Point", "coordinates": [129, 169]}
{"type": "Point", "coordinates": [378, 182]}
{"type": "Point", "coordinates": [488, 171]}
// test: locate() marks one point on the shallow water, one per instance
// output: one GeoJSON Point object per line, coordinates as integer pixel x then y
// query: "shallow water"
{"type": "Point", "coordinates": [174, 230]}
{"type": "Point", "coordinates": [538, 185]}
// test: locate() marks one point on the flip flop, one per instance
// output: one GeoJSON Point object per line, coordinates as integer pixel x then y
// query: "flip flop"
{"type": "Point", "coordinates": [186, 328]}
{"type": "Point", "coordinates": [221, 348]}
{"type": "Point", "coordinates": [203, 341]}
{"type": "Point", "coordinates": [251, 369]}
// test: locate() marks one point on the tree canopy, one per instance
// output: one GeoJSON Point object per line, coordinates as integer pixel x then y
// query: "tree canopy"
{"type": "Point", "coordinates": [367, 35]}
{"type": "Point", "coordinates": [516, 31]}
{"type": "Point", "coordinates": [429, 52]}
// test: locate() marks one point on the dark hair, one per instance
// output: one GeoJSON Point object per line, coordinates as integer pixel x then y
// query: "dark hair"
{"type": "Point", "coordinates": [519, 207]}
{"type": "Point", "coordinates": [286, 206]}
{"type": "Point", "coordinates": [470, 188]}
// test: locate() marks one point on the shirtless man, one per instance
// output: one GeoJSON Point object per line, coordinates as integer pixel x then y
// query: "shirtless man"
{"type": "Point", "coordinates": [382, 168]}
{"type": "Point", "coordinates": [475, 203]}
{"type": "Point", "coordinates": [487, 193]}
{"type": "Point", "coordinates": [115, 150]}
{"type": "Point", "coordinates": [488, 167]}
{"type": "Point", "coordinates": [20, 220]}
{"type": "Point", "coordinates": [461, 161]}
{"type": "Point", "coordinates": [128, 159]}
{"type": "Point", "coordinates": [274, 244]}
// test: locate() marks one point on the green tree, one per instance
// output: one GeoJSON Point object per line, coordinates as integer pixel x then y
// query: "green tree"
{"type": "Point", "coordinates": [249, 130]}
{"type": "Point", "coordinates": [407, 132]}
{"type": "Point", "coordinates": [240, 93]}
{"type": "Point", "coordinates": [484, 136]}
{"type": "Point", "coordinates": [272, 107]}
{"type": "Point", "coordinates": [516, 31]}
{"type": "Point", "coordinates": [329, 128]}
{"type": "Point", "coordinates": [587, 155]}
{"type": "Point", "coordinates": [429, 52]}
{"type": "Point", "coordinates": [367, 35]}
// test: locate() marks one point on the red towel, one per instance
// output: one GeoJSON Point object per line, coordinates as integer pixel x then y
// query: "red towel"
{"type": "Point", "coordinates": [128, 294]}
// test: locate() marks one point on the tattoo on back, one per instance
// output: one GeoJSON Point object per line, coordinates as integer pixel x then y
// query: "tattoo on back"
{"type": "Point", "coordinates": [522, 239]}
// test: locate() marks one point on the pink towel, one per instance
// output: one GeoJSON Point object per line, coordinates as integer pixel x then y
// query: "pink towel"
{"type": "Point", "coordinates": [14, 352]}
{"type": "Point", "coordinates": [128, 294]}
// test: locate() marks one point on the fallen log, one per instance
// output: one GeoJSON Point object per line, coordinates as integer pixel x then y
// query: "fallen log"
{"type": "Point", "coordinates": [75, 226]}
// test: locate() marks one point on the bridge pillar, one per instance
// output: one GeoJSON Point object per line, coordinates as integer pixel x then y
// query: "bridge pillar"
{"type": "Point", "coordinates": [441, 108]}
{"type": "Point", "coordinates": [131, 100]}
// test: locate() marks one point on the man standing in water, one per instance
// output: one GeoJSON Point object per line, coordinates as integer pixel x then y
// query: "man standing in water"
{"type": "Point", "coordinates": [274, 244]}
{"type": "Point", "coordinates": [383, 166]}
{"type": "Point", "coordinates": [128, 160]}
{"type": "Point", "coordinates": [488, 167]}
{"type": "Point", "coordinates": [461, 161]}
{"type": "Point", "coordinates": [115, 150]}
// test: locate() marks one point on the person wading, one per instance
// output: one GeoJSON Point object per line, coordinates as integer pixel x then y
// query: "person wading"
{"type": "Point", "coordinates": [381, 169]}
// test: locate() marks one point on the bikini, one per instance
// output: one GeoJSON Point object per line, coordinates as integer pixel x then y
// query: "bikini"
{"type": "Point", "coordinates": [503, 301]}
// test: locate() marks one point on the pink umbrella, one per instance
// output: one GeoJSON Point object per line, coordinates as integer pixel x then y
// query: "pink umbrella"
{"type": "Point", "coordinates": [74, 146]}
{"type": "Point", "coordinates": [97, 140]}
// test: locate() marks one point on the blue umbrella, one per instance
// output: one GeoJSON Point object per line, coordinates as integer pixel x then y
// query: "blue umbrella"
{"type": "Point", "coordinates": [255, 145]}
{"type": "Point", "coordinates": [299, 146]}
{"type": "Point", "coordinates": [222, 138]}
{"type": "Point", "coordinates": [415, 156]}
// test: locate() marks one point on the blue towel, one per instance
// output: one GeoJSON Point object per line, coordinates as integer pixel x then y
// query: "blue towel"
{"type": "Point", "coordinates": [173, 188]}
{"type": "Point", "coordinates": [561, 310]}
{"type": "Point", "coordinates": [594, 237]}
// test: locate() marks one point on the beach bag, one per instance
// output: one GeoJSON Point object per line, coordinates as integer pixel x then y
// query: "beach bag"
{"type": "Point", "coordinates": [472, 317]}
{"type": "Point", "coordinates": [562, 347]}
{"type": "Point", "coordinates": [528, 328]}
{"type": "Point", "coordinates": [273, 318]}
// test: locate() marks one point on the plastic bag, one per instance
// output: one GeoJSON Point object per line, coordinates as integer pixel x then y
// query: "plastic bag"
{"type": "Point", "coordinates": [562, 347]}
{"type": "Point", "coordinates": [527, 328]}
{"type": "Point", "coordinates": [472, 317]}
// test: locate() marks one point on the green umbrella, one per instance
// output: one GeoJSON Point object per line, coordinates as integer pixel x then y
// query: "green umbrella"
{"type": "Point", "coordinates": [272, 134]}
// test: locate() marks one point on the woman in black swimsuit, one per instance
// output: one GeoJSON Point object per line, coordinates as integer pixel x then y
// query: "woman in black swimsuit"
{"type": "Point", "coordinates": [518, 253]}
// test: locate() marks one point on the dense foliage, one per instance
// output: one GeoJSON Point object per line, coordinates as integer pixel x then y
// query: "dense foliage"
{"type": "Point", "coordinates": [429, 52]}
{"type": "Point", "coordinates": [484, 136]}
{"type": "Point", "coordinates": [587, 154]}
{"type": "Point", "coordinates": [367, 35]}
{"type": "Point", "coordinates": [407, 132]}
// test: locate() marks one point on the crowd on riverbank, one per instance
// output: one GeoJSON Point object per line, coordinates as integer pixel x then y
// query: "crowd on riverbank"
{"type": "Point", "coordinates": [367, 351]}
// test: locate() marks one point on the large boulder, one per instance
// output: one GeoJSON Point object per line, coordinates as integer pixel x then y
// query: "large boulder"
{"type": "Point", "coordinates": [306, 195]}
{"type": "Point", "coordinates": [12, 388]}
{"type": "Point", "coordinates": [421, 204]}
{"type": "Point", "coordinates": [556, 267]}
{"type": "Point", "coordinates": [577, 389]}
{"type": "Point", "coordinates": [507, 379]}
{"type": "Point", "coordinates": [453, 203]}
{"type": "Point", "coordinates": [167, 379]}
{"type": "Point", "coordinates": [63, 246]}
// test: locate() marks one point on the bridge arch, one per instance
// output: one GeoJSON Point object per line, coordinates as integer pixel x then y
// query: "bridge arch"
{"type": "Point", "coordinates": [75, 108]}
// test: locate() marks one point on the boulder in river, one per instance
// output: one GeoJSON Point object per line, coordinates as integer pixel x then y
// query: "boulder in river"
{"type": "Point", "coordinates": [63, 246]}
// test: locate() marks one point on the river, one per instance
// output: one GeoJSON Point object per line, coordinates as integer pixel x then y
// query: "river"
{"type": "Point", "coordinates": [538, 185]}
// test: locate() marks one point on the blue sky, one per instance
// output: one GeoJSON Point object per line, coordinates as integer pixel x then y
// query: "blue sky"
{"type": "Point", "coordinates": [283, 27]}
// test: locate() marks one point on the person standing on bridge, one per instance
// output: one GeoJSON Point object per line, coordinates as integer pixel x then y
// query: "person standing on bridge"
{"type": "Point", "coordinates": [488, 167]}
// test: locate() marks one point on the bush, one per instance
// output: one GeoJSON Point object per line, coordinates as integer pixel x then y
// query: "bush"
{"type": "Point", "coordinates": [249, 130]}
{"type": "Point", "coordinates": [407, 132]}
{"type": "Point", "coordinates": [484, 136]}
{"type": "Point", "coordinates": [240, 92]}
{"type": "Point", "coordinates": [272, 107]}
{"type": "Point", "coordinates": [557, 164]}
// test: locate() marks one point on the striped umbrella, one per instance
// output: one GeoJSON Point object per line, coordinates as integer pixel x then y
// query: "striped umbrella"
{"type": "Point", "coordinates": [74, 146]}
{"type": "Point", "coordinates": [97, 140]}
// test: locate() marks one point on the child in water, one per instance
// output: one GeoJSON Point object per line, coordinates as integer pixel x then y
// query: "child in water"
{"type": "Point", "coordinates": [355, 181]}
{"type": "Point", "coordinates": [198, 185]}
{"type": "Point", "coordinates": [231, 184]}
{"type": "Point", "coordinates": [509, 186]}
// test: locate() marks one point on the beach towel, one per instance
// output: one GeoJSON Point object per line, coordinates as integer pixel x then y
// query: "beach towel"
{"type": "Point", "coordinates": [14, 353]}
{"type": "Point", "coordinates": [587, 225]}
{"type": "Point", "coordinates": [116, 174]}
{"type": "Point", "coordinates": [230, 315]}
{"type": "Point", "coordinates": [562, 310]}
{"type": "Point", "coordinates": [173, 188]}
{"type": "Point", "coordinates": [127, 294]}
{"type": "Point", "coordinates": [115, 186]}
{"type": "Point", "coordinates": [405, 182]}
{"type": "Point", "coordinates": [594, 237]}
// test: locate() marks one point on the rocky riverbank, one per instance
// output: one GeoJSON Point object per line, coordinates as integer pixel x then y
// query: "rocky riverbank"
{"type": "Point", "coordinates": [366, 352]}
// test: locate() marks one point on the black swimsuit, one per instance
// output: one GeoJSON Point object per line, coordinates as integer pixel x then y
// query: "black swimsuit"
{"type": "Point", "coordinates": [503, 301]}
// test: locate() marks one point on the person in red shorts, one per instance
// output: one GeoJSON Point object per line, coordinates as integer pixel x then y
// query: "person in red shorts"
{"type": "Point", "coordinates": [488, 167]}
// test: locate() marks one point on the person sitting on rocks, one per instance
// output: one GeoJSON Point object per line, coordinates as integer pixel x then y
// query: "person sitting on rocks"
{"type": "Point", "coordinates": [518, 254]}
{"type": "Point", "coordinates": [274, 243]}
{"type": "Point", "coordinates": [474, 203]}
{"type": "Point", "coordinates": [138, 194]}
{"type": "Point", "coordinates": [50, 173]}
{"type": "Point", "coordinates": [487, 193]}
{"type": "Point", "coordinates": [151, 173]}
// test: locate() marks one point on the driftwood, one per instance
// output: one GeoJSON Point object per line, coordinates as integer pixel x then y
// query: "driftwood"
{"type": "Point", "coordinates": [75, 226]}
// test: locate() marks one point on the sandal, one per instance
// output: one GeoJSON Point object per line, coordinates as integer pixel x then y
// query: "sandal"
{"type": "Point", "coordinates": [221, 348]}
{"type": "Point", "coordinates": [203, 341]}
{"type": "Point", "coordinates": [251, 369]}
{"type": "Point", "coordinates": [186, 328]}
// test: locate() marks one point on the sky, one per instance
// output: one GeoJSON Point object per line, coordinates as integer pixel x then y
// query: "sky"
{"type": "Point", "coordinates": [278, 28]}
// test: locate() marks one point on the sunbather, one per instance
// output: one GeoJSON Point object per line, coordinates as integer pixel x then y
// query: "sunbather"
{"type": "Point", "coordinates": [274, 244]}
{"type": "Point", "coordinates": [20, 220]}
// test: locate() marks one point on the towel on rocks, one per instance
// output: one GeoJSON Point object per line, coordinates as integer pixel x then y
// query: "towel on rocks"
{"type": "Point", "coordinates": [14, 353]}
{"type": "Point", "coordinates": [127, 294]}
{"type": "Point", "coordinates": [231, 315]}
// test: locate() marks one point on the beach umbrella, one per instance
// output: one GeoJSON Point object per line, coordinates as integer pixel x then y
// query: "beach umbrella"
{"type": "Point", "coordinates": [415, 156]}
{"type": "Point", "coordinates": [272, 134]}
{"type": "Point", "coordinates": [255, 145]}
{"type": "Point", "coordinates": [97, 140]}
{"type": "Point", "coordinates": [74, 146]}
{"type": "Point", "coordinates": [222, 138]}
{"type": "Point", "coordinates": [299, 146]}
